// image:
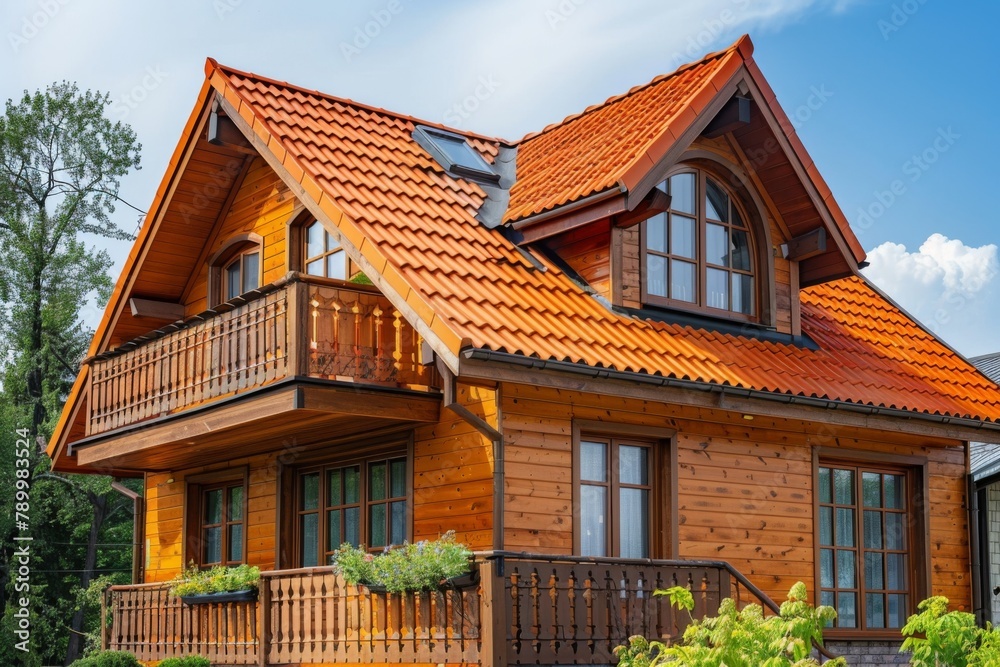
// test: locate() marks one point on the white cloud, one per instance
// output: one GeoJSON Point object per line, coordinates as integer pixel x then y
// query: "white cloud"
{"type": "Point", "coordinates": [940, 280]}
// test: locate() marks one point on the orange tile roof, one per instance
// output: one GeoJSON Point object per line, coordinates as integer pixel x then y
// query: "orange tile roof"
{"type": "Point", "coordinates": [593, 151]}
{"type": "Point", "coordinates": [470, 285]}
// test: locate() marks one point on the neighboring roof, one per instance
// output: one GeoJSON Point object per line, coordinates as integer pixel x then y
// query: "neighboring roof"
{"type": "Point", "coordinates": [413, 227]}
{"type": "Point", "coordinates": [989, 365]}
{"type": "Point", "coordinates": [984, 458]}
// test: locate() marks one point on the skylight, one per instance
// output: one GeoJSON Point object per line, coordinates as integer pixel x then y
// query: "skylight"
{"type": "Point", "coordinates": [454, 153]}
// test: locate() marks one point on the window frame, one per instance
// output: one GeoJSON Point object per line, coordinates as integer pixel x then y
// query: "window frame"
{"type": "Point", "coordinates": [241, 259]}
{"type": "Point", "coordinates": [196, 486]}
{"type": "Point", "coordinates": [915, 471]}
{"type": "Point", "coordinates": [761, 282]}
{"type": "Point", "coordinates": [232, 250]}
{"type": "Point", "coordinates": [306, 259]}
{"type": "Point", "coordinates": [662, 464]}
{"type": "Point", "coordinates": [333, 454]}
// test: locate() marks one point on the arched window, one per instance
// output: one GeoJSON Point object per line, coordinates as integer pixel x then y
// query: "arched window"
{"type": "Point", "coordinates": [323, 254]}
{"type": "Point", "coordinates": [699, 254]}
{"type": "Point", "coordinates": [241, 274]}
{"type": "Point", "coordinates": [235, 268]}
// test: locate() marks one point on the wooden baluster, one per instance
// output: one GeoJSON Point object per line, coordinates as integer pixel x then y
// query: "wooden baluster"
{"type": "Point", "coordinates": [378, 364]}
{"type": "Point", "coordinates": [516, 619]}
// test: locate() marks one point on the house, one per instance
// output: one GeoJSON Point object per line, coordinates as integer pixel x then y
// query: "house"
{"type": "Point", "coordinates": [984, 469]}
{"type": "Point", "coordinates": [629, 350]}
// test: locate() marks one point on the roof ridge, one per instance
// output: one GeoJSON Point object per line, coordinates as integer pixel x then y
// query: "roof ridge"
{"type": "Point", "coordinates": [212, 64]}
{"type": "Point", "coordinates": [742, 44]}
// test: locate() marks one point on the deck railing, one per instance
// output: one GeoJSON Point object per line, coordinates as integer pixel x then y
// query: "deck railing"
{"type": "Point", "coordinates": [526, 609]}
{"type": "Point", "coordinates": [300, 326]}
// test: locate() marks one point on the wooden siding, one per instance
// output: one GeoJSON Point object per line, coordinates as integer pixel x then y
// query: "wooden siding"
{"type": "Point", "coordinates": [453, 473]}
{"type": "Point", "coordinates": [165, 508]}
{"type": "Point", "coordinates": [744, 487]}
{"type": "Point", "coordinates": [262, 205]}
{"type": "Point", "coordinates": [587, 250]}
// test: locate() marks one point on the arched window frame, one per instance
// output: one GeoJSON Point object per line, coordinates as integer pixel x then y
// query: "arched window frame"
{"type": "Point", "coordinates": [754, 213]}
{"type": "Point", "coordinates": [235, 248]}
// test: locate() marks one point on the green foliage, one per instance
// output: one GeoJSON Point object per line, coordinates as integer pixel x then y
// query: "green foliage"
{"type": "Point", "coordinates": [360, 279]}
{"type": "Point", "coordinates": [940, 638]}
{"type": "Point", "coordinates": [218, 579]}
{"type": "Point", "coordinates": [61, 162]}
{"type": "Point", "coordinates": [108, 659]}
{"type": "Point", "coordinates": [738, 636]}
{"type": "Point", "coordinates": [186, 661]}
{"type": "Point", "coordinates": [410, 567]}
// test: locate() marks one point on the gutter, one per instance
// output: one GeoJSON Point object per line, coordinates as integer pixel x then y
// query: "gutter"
{"type": "Point", "coordinates": [570, 207]}
{"type": "Point", "coordinates": [480, 354]}
{"type": "Point", "coordinates": [481, 425]}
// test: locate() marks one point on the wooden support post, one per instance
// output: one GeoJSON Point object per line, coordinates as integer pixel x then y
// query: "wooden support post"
{"type": "Point", "coordinates": [493, 615]}
{"type": "Point", "coordinates": [263, 621]}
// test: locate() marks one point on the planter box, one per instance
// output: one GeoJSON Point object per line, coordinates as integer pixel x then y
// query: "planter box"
{"type": "Point", "coordinates": [229, 596]}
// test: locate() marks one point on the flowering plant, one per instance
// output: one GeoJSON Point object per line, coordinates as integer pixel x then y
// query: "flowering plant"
{"type": "Point", "coordinates": [422, 566]}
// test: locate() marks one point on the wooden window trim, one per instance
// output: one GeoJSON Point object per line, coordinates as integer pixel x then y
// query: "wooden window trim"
{"type": "Point", "coordinates": [194, 488]}
{"type": "Point", "coordinates": [663, 540]}
{"type": "Point", "coordinates": [240, 244]}
{"type": "Point", "coordinates": [916, 470]}
{"type": "Point", "coordinates": [761, 281]}
{"type": "Point", "coordinates": [290, 471]}
{"type": "Point", "coordinates": [295, 229]}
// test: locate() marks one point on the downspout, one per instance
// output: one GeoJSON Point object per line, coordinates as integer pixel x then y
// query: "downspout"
{"type": "Point", "coordinates": [138, 529]}
{"type": "Point", "coordinates": [481, 425]}
{"type": "Point", "coordinates": [978, 604]}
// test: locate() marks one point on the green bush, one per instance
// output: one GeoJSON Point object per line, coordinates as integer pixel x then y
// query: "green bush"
{"type": "Point", "coordinates": [108, 659]}
{"type": "Point", "coordinates": [939, 638]}
{"type": "Point", "coordinates": [186, 661]}
{"type": "Point", "coordinates": [411, 567]}
{"type": "Point", "coordinates": [738, 636]}
{"type": "Point", "coordinates": [219, 579]}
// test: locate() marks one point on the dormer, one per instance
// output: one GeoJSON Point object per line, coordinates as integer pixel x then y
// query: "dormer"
{"type": "Point", "coordinates": [703, 209]}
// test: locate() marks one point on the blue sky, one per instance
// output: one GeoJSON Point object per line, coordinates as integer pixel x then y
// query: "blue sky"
{"type": "Point", "coordinates": [893, 98]}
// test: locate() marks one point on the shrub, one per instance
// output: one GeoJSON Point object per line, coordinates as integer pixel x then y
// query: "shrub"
{"type": "Point", "coordinates": [186, 661]}
{"type": "Point", "coordinates": [108, 659]}
{"type": "Point", "coordinates": [411, 567]}
{"type": "Point", "coordinates": [949, 639]}
{"type": "Point", "coordinates": [738, 636]}
{"type": "Point", "coordinates": [216, 580]}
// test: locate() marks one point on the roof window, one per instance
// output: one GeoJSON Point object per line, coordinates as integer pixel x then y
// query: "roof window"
{"type": "Point", "coordinates": [454, 153]}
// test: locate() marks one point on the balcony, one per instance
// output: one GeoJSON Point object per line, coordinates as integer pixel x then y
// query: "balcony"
{"type": "Point", "coordinates": [526, 609]}
{"type": "Point", "coordinates": [338, 341]}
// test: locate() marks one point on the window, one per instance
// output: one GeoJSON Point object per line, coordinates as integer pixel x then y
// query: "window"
{"type": "Point", "coordinates": [865, 545]}
{"type": "Point", "coordinates": [221, 524]}
{"type": "Point", "coordinates": [324, 255]}
{"type": "Point", "coordinates": [698, 254]}
{"type": "Point", "coordinates": [453, 152]}
{"type": "Point", "coordinates": [241, 274]}
{"type": "Point", "coordinates": [363, 502]}
{"type": "Point", "coordinates": [614, 492]}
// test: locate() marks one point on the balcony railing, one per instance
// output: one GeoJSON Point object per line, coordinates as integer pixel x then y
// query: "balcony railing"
{"type": "Point", "coordinates": [299, 327]}
{"type": "Point", "coordinates": [525, 610]}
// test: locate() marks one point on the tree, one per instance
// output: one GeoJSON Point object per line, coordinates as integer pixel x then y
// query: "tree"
{"type": "Point", "coordinates": [61, 163]}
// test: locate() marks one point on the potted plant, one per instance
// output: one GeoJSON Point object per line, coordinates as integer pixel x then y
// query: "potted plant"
{"type": "Point", "coordinates": [218, 584]}
{"type": "Point", "coordinates": [422, 566]}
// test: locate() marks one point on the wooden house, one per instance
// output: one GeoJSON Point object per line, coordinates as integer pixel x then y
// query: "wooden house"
{"type": "Point", "coordinates": [630, 350]}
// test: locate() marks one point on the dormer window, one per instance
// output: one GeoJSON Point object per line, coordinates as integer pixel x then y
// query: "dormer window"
{"type": "Point", "coordinates": [698, 255]}
{"type": "Point", "coordinates": [453, 152]}
{"type": "Point", "coordinates": [324, 256]}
